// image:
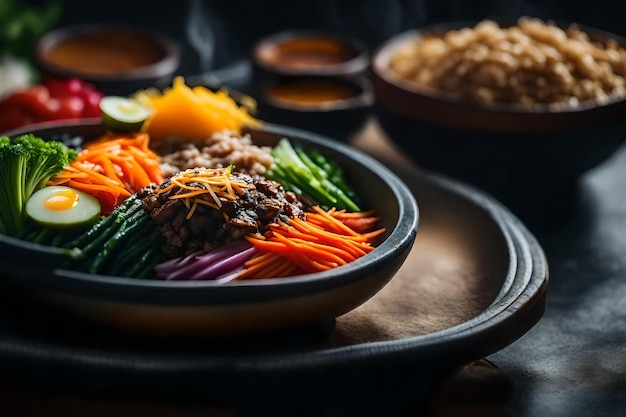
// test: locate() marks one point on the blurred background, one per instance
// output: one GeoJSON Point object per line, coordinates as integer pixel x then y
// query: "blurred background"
{"type": "Point", "coordinates": [214, 34]}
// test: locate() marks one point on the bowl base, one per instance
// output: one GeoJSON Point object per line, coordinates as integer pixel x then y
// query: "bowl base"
{"type": "Point", "coordinates": [536, 175]}
{"type": "Point", "coordinates": [40, 319]}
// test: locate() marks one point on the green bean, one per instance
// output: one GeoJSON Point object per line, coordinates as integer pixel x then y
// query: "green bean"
{"type": "Point", "coordinates": [128, 228]}
{"type": "Point", "coordinates": [131, 250]}
{"type": "Point", "coordinates": [148, 270]}
{"type": "Point", "coordinates": [42, 237]}
{"type": "Point", "coordinates": [103, 229]}
{"type": "Point", "coordinates": [142, 264]}
{"type": "Point", "coordinates": [118, 223]}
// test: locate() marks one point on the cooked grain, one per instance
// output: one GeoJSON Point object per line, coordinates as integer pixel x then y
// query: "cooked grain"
{"type": "Point", "coordinates": [530, 63]}
{"type": "Point", "coordinates": [220, 150]}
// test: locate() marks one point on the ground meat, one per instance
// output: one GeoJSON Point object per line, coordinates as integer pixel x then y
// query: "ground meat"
{"type": "Point", "coordinates": [267, 202]}
{"type": "Point", "coordinates": [220, 150]}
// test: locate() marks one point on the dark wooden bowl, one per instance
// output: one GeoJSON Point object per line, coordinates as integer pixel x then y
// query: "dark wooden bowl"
{"type": "Point", "coordinates": [523, 156]}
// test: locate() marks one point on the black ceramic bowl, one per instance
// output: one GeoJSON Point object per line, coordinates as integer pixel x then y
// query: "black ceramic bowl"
{"type": "Point", "coordinates": [185, 308]}
{"type": "Point", "coordinates": [332, 106]}
{"type": "Point", "coordinates": [530, 158]}
{"type": "Point", "coordinates": [309, 52]}
{"type": "Point", "coordinates": [118, 59]}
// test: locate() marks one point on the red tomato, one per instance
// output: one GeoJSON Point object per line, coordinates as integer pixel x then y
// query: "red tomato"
{"type": "Point", "coordinates": [64, 87]}
{"type": "Point", "coordinates": [70, 108]}
{"type": "Point", "coordinates": [92, 103]}
{"type": "Point", "coordinates": [33, 101]}
{"type": "Point", "coordinates": [75, 87]}
{"type": "Point", "coordinates": [55, 99]}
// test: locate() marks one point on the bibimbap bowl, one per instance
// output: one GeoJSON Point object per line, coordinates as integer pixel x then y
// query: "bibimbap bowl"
{"type": "Point", "coordinates": [174, 308]}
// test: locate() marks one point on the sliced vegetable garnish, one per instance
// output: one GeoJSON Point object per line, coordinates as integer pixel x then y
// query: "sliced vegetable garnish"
{"type": "Point", "coordinates": [112, 168]}
{"type": "Point", "coordinates": [122, 114]}
{"type": "Point", "coordinates": [221, 264]}
{"type": "Point", "coordinates": [317, 244]}
{"type": "Point", "coordinates": [192, 112]}
{"type": "Point", "coordinates": [311, 175]}
{"type": "Point", "coordinates": [63, 207]}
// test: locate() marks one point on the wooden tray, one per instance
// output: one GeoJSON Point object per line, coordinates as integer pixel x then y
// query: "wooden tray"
{"type": "Point", "coordinates": [475, 281]}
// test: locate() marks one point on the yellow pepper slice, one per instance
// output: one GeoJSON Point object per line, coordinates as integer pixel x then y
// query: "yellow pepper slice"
{"type": "Point", "coordinates": [195, 113]}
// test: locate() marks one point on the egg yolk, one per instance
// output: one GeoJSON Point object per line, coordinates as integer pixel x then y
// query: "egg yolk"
{"type": "Point", "coordinates": [61, 200]}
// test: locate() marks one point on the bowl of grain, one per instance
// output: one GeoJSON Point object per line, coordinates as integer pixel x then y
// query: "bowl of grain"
{"type": "Point", "coordinates": [520, 108]}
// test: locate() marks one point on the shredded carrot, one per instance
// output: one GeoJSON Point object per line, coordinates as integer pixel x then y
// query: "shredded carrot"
{"type": "Point", "coordinates": [321, 242]}
{"type": "Point", "coordinates": [148, 161]}
{"type": "Point", "coordinates": [112, 167]}
{"type": "Point", "coordinates": [91, 188]}
{"type": "Point", "coordinates": [268, 265]}
{"type": "Point", "coordinates": [363, 222]}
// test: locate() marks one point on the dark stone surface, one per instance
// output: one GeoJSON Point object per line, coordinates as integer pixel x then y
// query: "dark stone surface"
{"type": "Point", "coordinates": [573, 362]}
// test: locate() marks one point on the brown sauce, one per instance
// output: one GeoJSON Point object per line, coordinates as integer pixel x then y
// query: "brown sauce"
{"type": "Point", "coordinates": [312, 91]}
{"type": "Point", "coordinates": [105, 53]}
{"type": "Point", "coordinates": [303, 53]}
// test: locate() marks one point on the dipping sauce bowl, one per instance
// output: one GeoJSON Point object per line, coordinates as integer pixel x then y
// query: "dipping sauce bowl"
{"type": "Point", "coordinates": [310, 53]}
{"type": "Point", "coordinates": [117, 59]}
{"type": "Point", "coordinates": [333, 106]}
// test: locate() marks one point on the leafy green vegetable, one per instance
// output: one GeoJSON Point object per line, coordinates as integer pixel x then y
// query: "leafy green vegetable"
{"type": "Point", "coordinates": [21, 25]}
{"type": "Point", "coordinates": [26, 164]}
{"type": "Point", "coordinates": [308, 172]}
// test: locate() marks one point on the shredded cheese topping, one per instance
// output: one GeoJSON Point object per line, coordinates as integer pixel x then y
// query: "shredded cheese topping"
{"type": "Point", "coordinates": [204, 186]}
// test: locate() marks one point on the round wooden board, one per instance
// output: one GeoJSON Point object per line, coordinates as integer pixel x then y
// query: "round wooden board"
{"type": "Point", "coordinates": [474, 282]}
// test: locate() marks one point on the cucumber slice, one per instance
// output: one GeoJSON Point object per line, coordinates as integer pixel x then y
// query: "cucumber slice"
{"type": "Point", "coordinates": [63, 207]}
{"type": "Point", "coordinates": [122, 114]}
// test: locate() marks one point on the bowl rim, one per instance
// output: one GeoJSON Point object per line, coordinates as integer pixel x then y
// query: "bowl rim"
{"type": "Point", "coordinates": [356, 64]}
{"type": "Point", "coordinates": [201, 293]}
{"type": "Point", "coordinates": [162, 68]}
{"type": "Point", "coordinates": [382, 55]}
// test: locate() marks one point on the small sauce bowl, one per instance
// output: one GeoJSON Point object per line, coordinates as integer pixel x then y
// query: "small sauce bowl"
{"type": "Point", "coordinates": [312, 92]}
{"type": "Point", "coordinates": [310, 53]}
{"type": "Point", "coordinates": [336, 107]}
{"type": "Point", "coordinates": [117, 59]}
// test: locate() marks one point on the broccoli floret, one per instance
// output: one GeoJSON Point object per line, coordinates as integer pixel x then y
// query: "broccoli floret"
{"type": "Point", "coordinates": [26, 164]}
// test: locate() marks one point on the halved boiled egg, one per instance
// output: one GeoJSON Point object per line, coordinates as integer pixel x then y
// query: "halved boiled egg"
{"type": "Point", "coordinates": [60, 206]}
